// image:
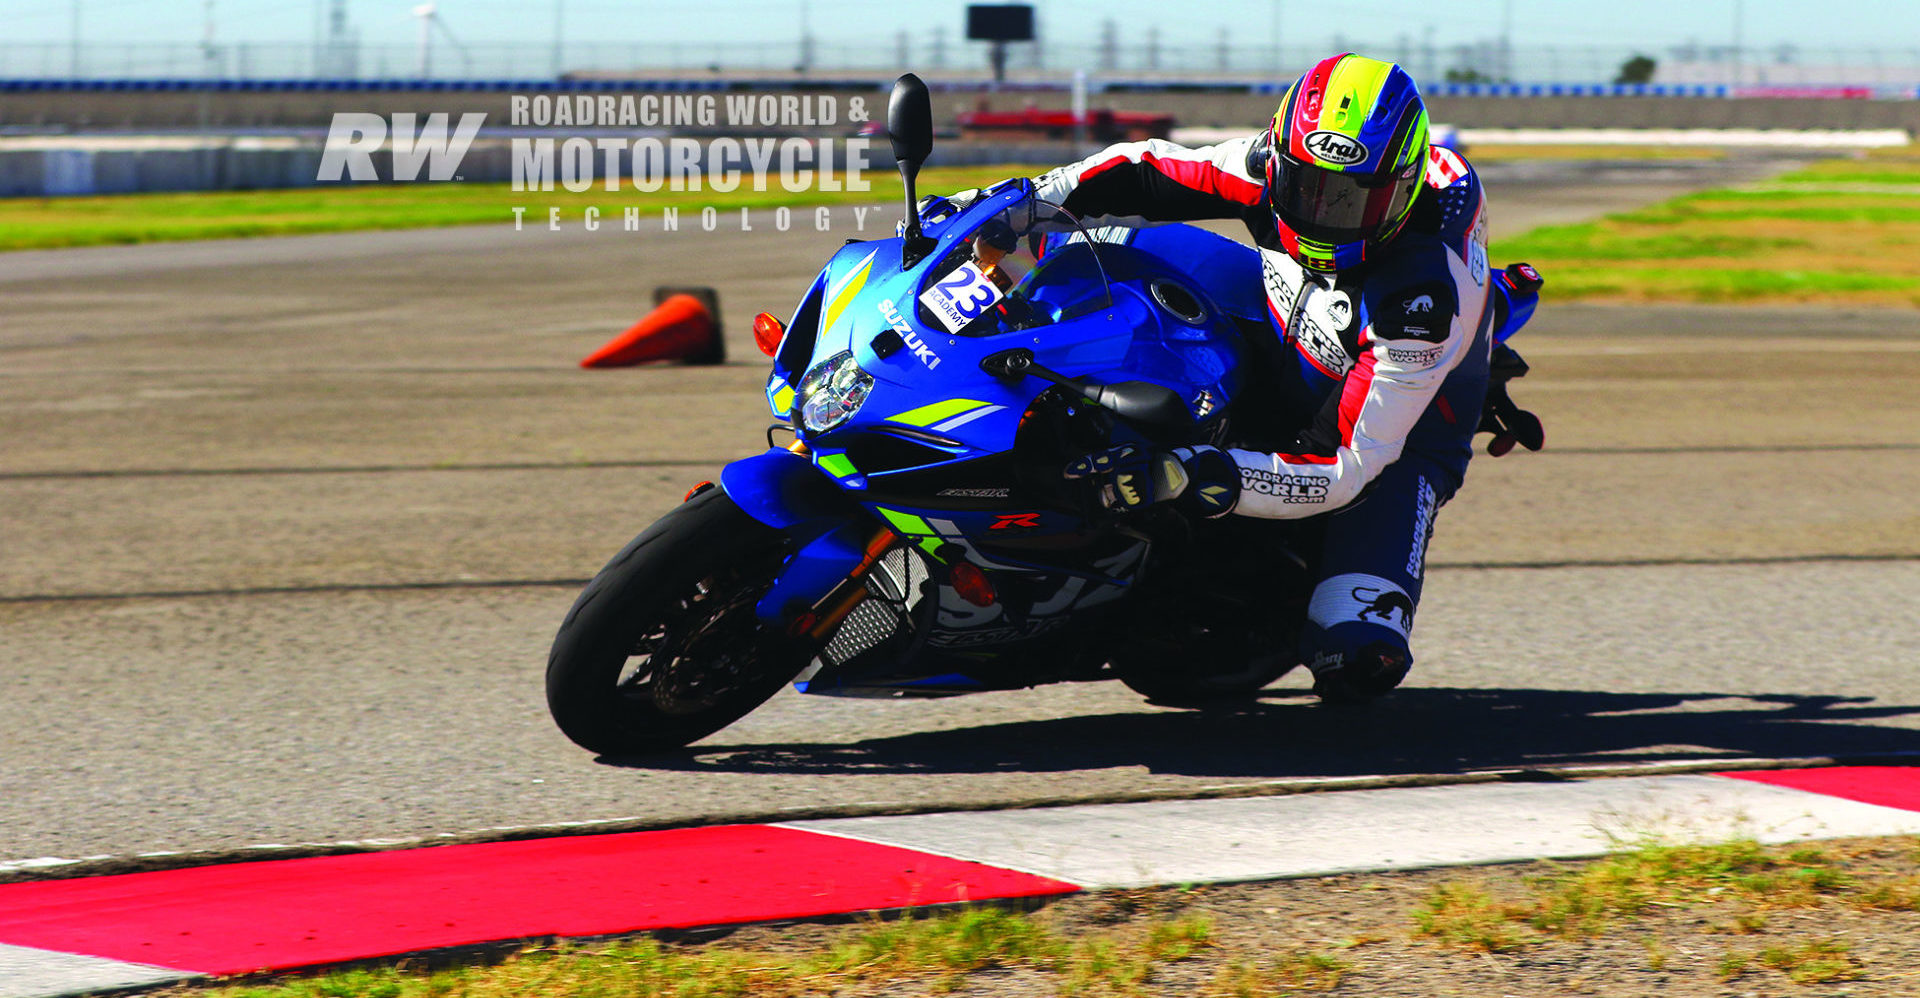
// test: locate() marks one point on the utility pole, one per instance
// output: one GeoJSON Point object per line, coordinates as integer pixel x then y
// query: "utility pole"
{"type": "Point", "coordinates": [207, 51]}
{"type": "Point", "coordinates": [1506, 41]}
{"type": "Point", "coordinates": [425, 13]}
{"type": "Point", "coordinates": [1278, 64]}
{"type": "Point", "coordinates": [939, 46]}
{"type": "Point", "coordinates": [74, 71]}
{"type": "Point", "coordinates": [1738, 13]}
{"type": "Point", "coordinates": [558, 17]}
{"type": "Point", "coordinates": [806, 41]}
{"type": "Point", "coordinates": [1110, 45]}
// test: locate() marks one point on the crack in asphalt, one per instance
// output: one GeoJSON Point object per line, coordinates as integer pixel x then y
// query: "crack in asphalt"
{"type": "Point", "coordinates": [458, 584]}
{"type": "Point", "coordinates": [382, 469]}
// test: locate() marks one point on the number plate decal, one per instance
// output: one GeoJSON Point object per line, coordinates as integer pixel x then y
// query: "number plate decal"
{"type": "Point", "coordinates": [960, 297]}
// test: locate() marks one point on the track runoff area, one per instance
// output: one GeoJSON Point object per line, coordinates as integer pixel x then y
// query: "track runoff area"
{"type": "Point", "coordinates": [356, 463]}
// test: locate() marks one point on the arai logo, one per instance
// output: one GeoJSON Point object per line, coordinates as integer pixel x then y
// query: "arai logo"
{"type": "Point", "coordinates": [1335, 147]}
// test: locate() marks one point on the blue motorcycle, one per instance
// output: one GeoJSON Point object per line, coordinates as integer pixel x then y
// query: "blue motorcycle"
{"type": "Point", "coordinates": [917, 537]}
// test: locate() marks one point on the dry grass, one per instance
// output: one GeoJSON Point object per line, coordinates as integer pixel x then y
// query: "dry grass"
{"type": "Point", "coordinates": [1586, 901]}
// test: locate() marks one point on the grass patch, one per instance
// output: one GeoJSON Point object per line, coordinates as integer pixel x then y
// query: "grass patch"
{"type": "Point", "coordinates": [1587, 901]}
{"type": "Point", "coordinates": [1897, 895]}
{"type": "Point", "coordinates": [1466, 916]}
{"type": "Point", "coordinates": [935, 953]}
{"type": "Point", "coordinates": [1290, 973]}
{"type": "Point", "coordinates": [45, 223]}
{"type": "Point", "coordinates": [1769, 245]}
{"type": "Point", "coordinates": [1812, 962]}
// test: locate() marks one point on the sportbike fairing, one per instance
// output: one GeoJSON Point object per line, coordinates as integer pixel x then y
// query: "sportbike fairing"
{"type": "Point", "coordinates": [880, 375]}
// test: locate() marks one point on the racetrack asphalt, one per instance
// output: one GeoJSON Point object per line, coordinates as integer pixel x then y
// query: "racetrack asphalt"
{"type": "Point", "coordinates": [289, 523]}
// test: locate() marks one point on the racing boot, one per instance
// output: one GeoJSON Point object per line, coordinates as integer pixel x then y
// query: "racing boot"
{"type": "Point", "coordinates": [1358, 676]}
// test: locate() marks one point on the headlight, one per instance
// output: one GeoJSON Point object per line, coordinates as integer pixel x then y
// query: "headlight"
{"type": "Point", "coordinates": [832, 392]}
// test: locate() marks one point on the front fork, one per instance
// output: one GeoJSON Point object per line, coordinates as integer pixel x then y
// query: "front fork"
{"type": "Point", "coordinates": [818, 621]}
{"type": "Point", "coordinates": [825, 579]}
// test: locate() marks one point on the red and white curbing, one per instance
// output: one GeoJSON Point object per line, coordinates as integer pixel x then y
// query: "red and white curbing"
{"type": "Point", "coordinates": [70, 937]}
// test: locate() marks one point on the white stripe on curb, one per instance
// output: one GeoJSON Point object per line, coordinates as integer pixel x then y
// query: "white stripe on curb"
{"type": "Point", "coordinates": [39, 973]}
{"type": "Point", "coordinates": [1262, 838]}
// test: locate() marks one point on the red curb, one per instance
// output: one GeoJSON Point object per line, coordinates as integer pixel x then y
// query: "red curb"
{"type": "Point", "coordinates": [283, 914]}
{"type": "Point", "coordinates": [1887, 786]}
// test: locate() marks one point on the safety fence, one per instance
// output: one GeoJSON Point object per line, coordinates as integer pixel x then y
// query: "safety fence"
{"type": "Point", "coordinates": [609, 84]}
{"type": "Point", "coordinates": [1243, 52]}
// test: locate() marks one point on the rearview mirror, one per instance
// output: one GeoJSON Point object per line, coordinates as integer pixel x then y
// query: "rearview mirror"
{"type": "Point", "coordinates": [910, 129]}
{"type": "Point", "coordinates": [910, 124]}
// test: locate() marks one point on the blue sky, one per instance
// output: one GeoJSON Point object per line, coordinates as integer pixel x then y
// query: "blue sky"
{"type": "Point", "coordinates": [1890, 24]}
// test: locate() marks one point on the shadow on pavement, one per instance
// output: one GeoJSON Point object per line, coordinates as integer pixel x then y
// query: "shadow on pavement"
{"type": "Point", "coordinates": [1287, 733]}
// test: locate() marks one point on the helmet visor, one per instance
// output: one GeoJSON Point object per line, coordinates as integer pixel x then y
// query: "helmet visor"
{"type": "Point", "coordinates": [1333, 207]}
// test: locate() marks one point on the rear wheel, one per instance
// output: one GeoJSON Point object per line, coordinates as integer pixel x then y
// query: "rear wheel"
{"type": "Point", "coordinates": [663, 647]}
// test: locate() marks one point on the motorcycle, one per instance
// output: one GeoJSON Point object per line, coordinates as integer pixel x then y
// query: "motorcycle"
{"type": "Point", "coordinates": [917, 536]}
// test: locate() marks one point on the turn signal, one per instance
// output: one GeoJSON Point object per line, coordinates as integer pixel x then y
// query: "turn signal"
{"type": "Point", "coordinates": [767, 331]}
{"type": "Point", "coordinates": [972, 585]}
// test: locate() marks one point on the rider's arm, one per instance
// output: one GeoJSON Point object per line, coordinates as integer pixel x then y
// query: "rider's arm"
{"type": "Point", "coordinates": [1416, 335]}
{"type": "Point", "coordinates": [1155, 181]}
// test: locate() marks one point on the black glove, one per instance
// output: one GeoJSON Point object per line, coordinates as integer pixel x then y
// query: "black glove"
{"type": "Point", "coordinates": [935, 208]}
{"type": "Point", "coordinates": [1132, 477]}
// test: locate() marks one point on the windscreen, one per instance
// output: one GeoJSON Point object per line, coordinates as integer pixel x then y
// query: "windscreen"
{"type": "Point", "coordinates": [1025, 266]}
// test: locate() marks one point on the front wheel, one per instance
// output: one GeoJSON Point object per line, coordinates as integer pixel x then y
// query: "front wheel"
{"type": "Point", "coordinates": [663, 647]}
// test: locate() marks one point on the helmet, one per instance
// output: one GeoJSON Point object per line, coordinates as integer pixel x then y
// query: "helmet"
{"type": "Point", "coordinates": [1346, 154]}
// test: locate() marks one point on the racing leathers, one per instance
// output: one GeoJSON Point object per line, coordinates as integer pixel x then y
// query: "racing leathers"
{"type": "Point", "coordinates": [1379, 370]}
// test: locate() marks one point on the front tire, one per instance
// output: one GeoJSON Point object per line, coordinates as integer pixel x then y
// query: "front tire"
{"type": "Point", "coordinates": [663, 647]}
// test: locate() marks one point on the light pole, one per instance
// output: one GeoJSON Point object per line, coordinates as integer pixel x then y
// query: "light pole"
{"type": "Point", "coordinates": [1276, 40]}
{"type": "Point", "coordinates": [1738, 12]}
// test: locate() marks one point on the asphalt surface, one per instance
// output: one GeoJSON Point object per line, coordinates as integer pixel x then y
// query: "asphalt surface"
{"type": "Point", "coordinates": [286, 526]}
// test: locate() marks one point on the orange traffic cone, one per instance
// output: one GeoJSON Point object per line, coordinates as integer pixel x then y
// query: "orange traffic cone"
{"type": "Point", "coordinates": [680, 328]}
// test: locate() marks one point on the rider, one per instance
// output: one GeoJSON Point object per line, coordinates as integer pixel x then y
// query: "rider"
{"type": "Point", "coordinates": [1373, 248]}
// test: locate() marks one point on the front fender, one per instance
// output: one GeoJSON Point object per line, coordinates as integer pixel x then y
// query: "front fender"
{"type": "Point", "coordinates": [782, 489]}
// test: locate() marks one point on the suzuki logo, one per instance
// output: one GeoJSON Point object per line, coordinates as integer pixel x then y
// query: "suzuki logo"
{"type": "Point", "coordinates": [1335, 147]}
{"type": "Point", "coordinates": [912, 339]}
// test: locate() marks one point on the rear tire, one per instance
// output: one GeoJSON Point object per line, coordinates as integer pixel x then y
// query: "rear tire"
{"type": "Point", "coordinates": [663, 647]}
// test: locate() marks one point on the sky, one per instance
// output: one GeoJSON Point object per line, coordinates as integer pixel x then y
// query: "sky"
{"type": "Point", "coordinates": [1892, 25]}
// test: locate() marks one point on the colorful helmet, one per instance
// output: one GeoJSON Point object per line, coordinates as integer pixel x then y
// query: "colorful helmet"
{"type": "Point", "coordinates": [1346, 154]}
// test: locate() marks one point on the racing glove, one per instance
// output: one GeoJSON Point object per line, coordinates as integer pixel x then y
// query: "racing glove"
{"type": "Point", "coordinates": [1131, 477]}
{"type": "Point", "coordinates": [934, 208]}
